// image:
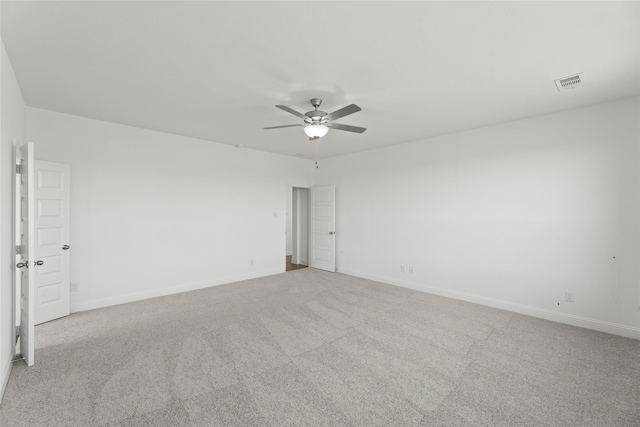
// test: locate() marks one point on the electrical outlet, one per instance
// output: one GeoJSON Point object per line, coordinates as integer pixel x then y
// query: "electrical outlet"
{"type": "Point", "coordinates": [74, 286]}
{"type": "Point", "coordinates": [402, 269]}
{"type": "Point", "coordinates": [569, 296]}
{"type": "Point", "coordinates": [410, 269]}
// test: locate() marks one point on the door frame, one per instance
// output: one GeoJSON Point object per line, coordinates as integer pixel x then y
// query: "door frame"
{"type": "Point", "coordinates": [284, 242]}
{"type": "Point", "coordinates": [25, 157]}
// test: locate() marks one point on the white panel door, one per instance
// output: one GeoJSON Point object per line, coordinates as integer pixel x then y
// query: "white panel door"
{"type": "Point", "coordinates": [322, 246]}
{"type": "Point", "coordinates": [25, 210]}
{"type": "Point", "coordinates": [52, 240]}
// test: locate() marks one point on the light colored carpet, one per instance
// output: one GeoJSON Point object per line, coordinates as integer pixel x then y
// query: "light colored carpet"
{"type": "Point", "coordinates": [320, 349]}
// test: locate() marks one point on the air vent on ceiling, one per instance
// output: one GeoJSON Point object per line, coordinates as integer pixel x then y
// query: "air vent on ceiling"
{"type": "Point", "coordinates": [570, 82]}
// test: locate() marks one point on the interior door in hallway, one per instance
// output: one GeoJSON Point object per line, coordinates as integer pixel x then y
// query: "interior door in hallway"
{"type": "Point", "coordinates": [52, 240]}
{"type": "Point", "coordinates": [322, 244]}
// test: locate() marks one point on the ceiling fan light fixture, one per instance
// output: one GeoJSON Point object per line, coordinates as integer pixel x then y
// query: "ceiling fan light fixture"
{"type": "Point", "coordinates": [316, 130]}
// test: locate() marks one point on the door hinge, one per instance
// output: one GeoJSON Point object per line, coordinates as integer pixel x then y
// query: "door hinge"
{"type": "Point", "coordinates": [19, 249]}
{"type": "Point", "coordinates": [18, 169]}
{"type": "Point", "coordinates": [17, 332]}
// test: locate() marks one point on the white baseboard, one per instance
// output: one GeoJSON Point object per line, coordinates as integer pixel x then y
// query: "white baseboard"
{"type": "Point", "coordinates": [4, 379]}
{"type": "Point", "coordinates": [137, 296]}
{"type": "Point", "coordinates": [569, 319]}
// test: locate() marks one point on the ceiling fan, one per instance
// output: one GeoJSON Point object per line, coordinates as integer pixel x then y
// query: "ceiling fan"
{"type": "Point", "coordinates": [317, 123]}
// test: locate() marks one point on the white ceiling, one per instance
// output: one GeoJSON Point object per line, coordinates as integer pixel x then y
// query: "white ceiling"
{"type": "Point", "coordinates": [215, 70]}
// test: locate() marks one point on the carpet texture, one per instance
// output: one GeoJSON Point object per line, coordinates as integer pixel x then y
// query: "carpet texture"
{"type": "Point", "coordinates": [310, 348]}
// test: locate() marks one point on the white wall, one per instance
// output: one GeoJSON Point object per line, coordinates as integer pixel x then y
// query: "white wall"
{"type": "Point", "coordinates": [12, 124]}
{"type": "Point", "coordinates": [510, 215]}
{"type": "Point", "coordinates": [289, 202]}
{"type": "Point", "coordinates": [301, 226]}
{"type": "Point", "coordinates": [154, 213]}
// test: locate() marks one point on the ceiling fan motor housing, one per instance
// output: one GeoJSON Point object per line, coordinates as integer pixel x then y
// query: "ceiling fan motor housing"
{"type": "Point", "coordinates": [316, 116]}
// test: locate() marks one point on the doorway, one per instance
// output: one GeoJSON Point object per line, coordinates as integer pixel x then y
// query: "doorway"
{"type": "Point", "coordinates": [297, 228]}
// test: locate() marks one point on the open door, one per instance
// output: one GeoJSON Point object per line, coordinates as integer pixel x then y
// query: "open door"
{"type": "Point", "coordinates": [26, 265]}
{"type": "Point", "coordinates": [323, 243]}
{"type": "Point", "coordinates": [51, 240]}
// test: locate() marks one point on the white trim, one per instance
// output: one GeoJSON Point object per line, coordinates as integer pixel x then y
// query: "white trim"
{"type": "Point", "coordinates": [6, 372]}
{"type": "Point", "coordinates": [284, 220]}
{"type": "Point", "coordinates": [569, 319]}
{"type": "Point", "coordinates": [296, 231]}
{"type": "Point", "coordinates": [170, 290]}
{"type": "Point", "coordinates": [289, 253]}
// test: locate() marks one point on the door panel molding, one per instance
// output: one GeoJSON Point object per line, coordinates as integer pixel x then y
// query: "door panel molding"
{"type": "Point", "coordinates": [52, 225]}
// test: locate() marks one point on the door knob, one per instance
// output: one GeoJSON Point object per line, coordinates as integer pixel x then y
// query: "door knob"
{"type": "Point", "coordinates": [65, 247]}
{"type": "Point", "coordinates": [23, 264]}
{"type": "Point", "coordinates": [39, 262]}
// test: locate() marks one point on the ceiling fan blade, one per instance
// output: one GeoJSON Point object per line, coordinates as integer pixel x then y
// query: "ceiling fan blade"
{"type": "Point", "coordinates": [292, 111]}
{"type": "Point", "coordinates": [349, 109]}
{"type": "Point", "coordinates": [284, 126]}
{"type": "Point", "coordinates": [348, 128]}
